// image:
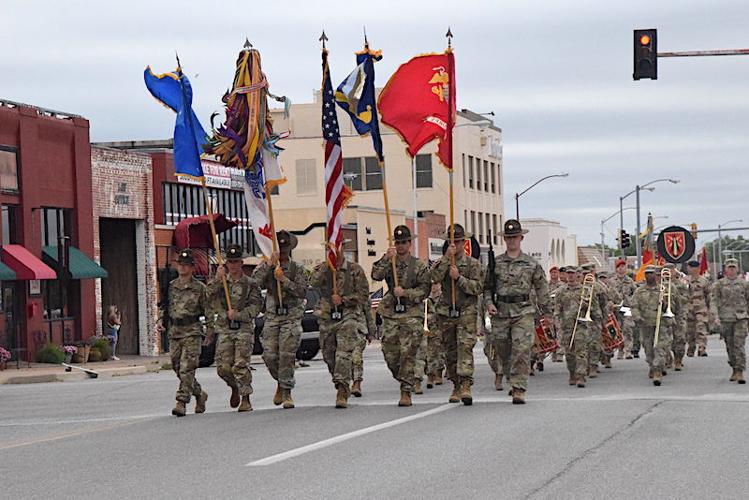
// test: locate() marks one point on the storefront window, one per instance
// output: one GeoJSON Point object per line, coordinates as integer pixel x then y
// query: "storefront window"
{"type": "Point", "coordinates": [9, 223]}
{"type": "Point", "coordinates": [55, 224]}
{"type": "Point", "coordinates": [8, 169]}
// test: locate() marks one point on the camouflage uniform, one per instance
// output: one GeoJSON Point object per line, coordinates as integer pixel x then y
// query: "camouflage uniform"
{"type": "Point", "coordinates": [554, 289]}
{"type": "Point", "coordinates": [697, 317]}
{"type": "Point", "coordinates": [338, 337]}
{"type": "Point", "coordinates": [513, 326]}
{"type": "Point", "coordinates": [435, 350]}
{"type": "Point", "coordinates": [566, 305]}
{"type": "Point", "coordinates": [729, 303]}
{"type": "Point", "coordinates": [644, 312]}
{"type": "Point", "coordinates": [187, 302]}
{"type": "Point", "coordinates": [402, 332]}
{"type": "Point", "coordinates": [357, 357]}
{"type": "Point", "coordinates": [599, 314]}
{"type": "Point", "coordinates": [458, 334]}
{"type": "Point", "coordinates": [234, 346]}
{"type": "Point", "coordinates": [679, 293]}
{"type": "Point", "coordinates": [614, 299]}
{"type": "Point", "coordinates": [282, 334]}
{"type": "Point", "coordinates": [626, 287]}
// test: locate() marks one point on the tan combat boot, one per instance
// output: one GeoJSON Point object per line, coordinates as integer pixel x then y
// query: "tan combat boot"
{"type": "Point", "coordinates": [200, 402]}
{"type": "Point", "coordinates": [518, 397]}
{"type": "Point", "coordinates": [650, 373]}
{"type": "Point", "coordinates": [179, 409]}
{"type": "Point", "coordinates": [465, 393]}
{"type": "Point", "coordinates": [573, 379]}
{"type": "Point", "coordinates": [656, 377]}
{"type": "Point", "coordinates": [417, 387]}
{"type": "Point", "coordinates": [592, 371]}
{"type": "Point", "coordinates": [498, 381]}
{"type": "Point", "coordinates": [356, 388]}
{"type": "Point", "coordinates": [438, 378]}
{"type": "Point", "coordinates": [740, 377]}
{"type": "Point", "coordinates": [430, 380]}
{"type": "Point", "coordinates": [234, 398]}
{"type": "Point", "coordinates": [678, 365]}
{"type": "Point", "coordinates": [455, 395]}
{"type": "Point", "coordinates": [702, 352]}
{"type": "Point", "coordinates": [278, 396]}
{"type": "Point", "coordinates": [734, 374]}
{"type": "Point", "coordinates": [245, 404]}
{"type": "Point", "coordinates": [581, 381]}
{"type": "Point", "coordinates": [690, 351]}
{"type": "Point", "coordinates": [405, 399]}
{"type": "Point", "coordinates": [288, 402]}
{"type": "Point", "coordinates": [607, 362]}
{"type": "Point", "coordinates": [341, 397]}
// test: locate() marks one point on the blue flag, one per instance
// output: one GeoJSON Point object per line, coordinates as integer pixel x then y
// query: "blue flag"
{"type": "Point", "coordinates": [356, 96]}
{"type": "Point", "coordinates": [174, 91]}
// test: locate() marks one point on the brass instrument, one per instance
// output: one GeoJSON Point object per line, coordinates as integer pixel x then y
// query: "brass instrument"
{"type": "Point", "coordinates": [663, 294]}
{"type": "Point", "coordinates": [586, 295]}
{"type": "Point", "coordinates": [426, 316]}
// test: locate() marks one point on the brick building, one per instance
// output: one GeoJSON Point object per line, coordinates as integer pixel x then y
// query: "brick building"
{"type": "Point", "coordinates": [124, 242]}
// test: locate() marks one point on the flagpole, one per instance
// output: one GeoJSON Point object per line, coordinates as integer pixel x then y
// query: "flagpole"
{"type": "Point", "coordinates": [274, 239]}
{"type": "Point", "coordinates": [389, 226]}
{"type": "Point", "coordinates": [219, 258]}
{"type": "Point", "coordinates": [452, 236]}
{"type": "Point", "coordinates": [449, 36]}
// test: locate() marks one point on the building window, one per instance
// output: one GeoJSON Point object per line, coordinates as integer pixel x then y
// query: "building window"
{"type": "Point", "coordinates": [306, 177]}
{"type": "Point", "coordinates": [465, 219]}
{"type": "Point", "coordinates": [488, 227]}
{"type": "Point", "coordinates": [374, 174]}
{"type": "Point", "coordinates": [463, 165]}
{"type": "Point", "coordinates": [478, 174]}
{"type": "Point", "coordinates": [494, 228]}
{"type": "Point", "coordinates": [55, 223]}
{"type": "Point", "coordinates": [473, 222]}
{"type": "Point", "coordinates": [470, 172]}
{"type": "Point", "coordinates": [10, 224]}
{"type": "Point", "coordinates": [499, 178]}
{"type": "Point", "coordinates": [481, 228]}
{"type": "Point", "coordinates": [423, 171]}
{"type": "Point", "coordinates": [352, 173]}
{"type": "Point", "coordinates": [486, 176]}
{"type": "Point", "coordinates": [8, 169]}
{"type": "Point", "coordinates": [494, 177]}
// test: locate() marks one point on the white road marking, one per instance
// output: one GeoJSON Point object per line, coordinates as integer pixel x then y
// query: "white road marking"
{"type": "Point", "coordinates": [273, 459]}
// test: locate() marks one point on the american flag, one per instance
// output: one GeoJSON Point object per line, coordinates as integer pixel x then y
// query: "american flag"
{"type": "Point", "coordinates": [376, 297]}
{"type": "Point", "coordinates": [337, 193]}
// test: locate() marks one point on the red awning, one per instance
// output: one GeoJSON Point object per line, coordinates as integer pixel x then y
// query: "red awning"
{"type": "Point", "coordinates": [26, 265]}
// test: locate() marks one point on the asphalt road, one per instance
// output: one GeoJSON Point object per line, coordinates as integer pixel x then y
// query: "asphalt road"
{"type": "Point", "coordinates": [620, 437]}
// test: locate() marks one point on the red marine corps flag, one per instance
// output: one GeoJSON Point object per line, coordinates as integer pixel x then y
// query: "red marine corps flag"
{"type": "Point", "coordinates": [419, 103]}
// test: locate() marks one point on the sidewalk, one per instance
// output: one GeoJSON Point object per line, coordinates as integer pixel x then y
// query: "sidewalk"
{"type": "Point", "coordinates": [45, 372]}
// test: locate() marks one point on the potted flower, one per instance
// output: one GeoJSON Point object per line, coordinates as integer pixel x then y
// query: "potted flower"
{"type": "Point", "coordinates": [84, 348]}
{"type": "Point", "coordinates": [69, 350]}
{"type": "Point", "coordinates": [4, 357]}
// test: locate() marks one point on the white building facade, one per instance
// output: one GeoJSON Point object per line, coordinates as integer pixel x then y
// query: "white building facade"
{"type": "Point", "coordinates": [549, 243]}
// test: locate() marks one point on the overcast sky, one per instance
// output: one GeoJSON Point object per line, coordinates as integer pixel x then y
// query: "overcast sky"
{"type": "Point", "coordinates": [558, 75]}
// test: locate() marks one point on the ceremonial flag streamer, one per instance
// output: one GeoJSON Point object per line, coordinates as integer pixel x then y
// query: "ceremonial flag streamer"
{"type": "Point", "coordinates": [174, 91]}
{"type": "Point", "coordinates": [356, 96]}
{"type": "Point", "coordinates": [419, 102]}
{"type": "Point", "coordinates": [337, 193]}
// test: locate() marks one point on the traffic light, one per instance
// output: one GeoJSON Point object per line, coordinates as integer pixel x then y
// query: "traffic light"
{"type": "Point", "coordinates": [693, 230]}
{"type": "Point", "coordinates": [646, 54]}
{"type": "Point", "coordinates": [624, 238]}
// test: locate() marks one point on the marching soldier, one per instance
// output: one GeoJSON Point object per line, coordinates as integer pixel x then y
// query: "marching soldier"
{"type": "Point", "coordinates": [235, 327]}
{"type": "Point", "coordinates": [567, 306]}
{"type": "Point", "coordinates": [625, 287]}
{"type": "Point", "coordinates": [645, 312]}
{"type": "Point", "coordinates": [614, 299]}
{"type": "Point", "coordinates": [435, 349]}
{"type": "Point", "coordinates": [699, 303]}
{"type": "Point", "coordinates": [516, 276]}
{"type": "Point", "coordinates": [366, 333]}
{"type": "Point", "coordinates": [598, 314]}
{"type": "Point", "coordinates": [282, 332]}
{"type": "Point", "coordinates": [563, 275]}
{"type": "Point", "coordinates": [729, 305]}
{"type": "Point", "coordinates": [554, 289]}
{"type": "Point", "coordinates": [401, 310]}
{"type": "Point", "coordinates": [339, 312]}
{"type": "Point", "coordinates": [679, 292]}
{"type": "Point", "coordinates": [461, 283]}
{"type": "Point", "coordinates": [181, 311]}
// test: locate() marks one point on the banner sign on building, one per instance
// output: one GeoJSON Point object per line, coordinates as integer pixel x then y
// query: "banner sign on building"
{"type": "Point", "coordinates": [217, 176]}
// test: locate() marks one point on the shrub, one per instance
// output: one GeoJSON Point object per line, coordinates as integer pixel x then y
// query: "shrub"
{"type": "Point", "coordinates": [102, 345]}
{"type": "Point", "coordinates": [50, 353]}
{"type": "Point", "coordinates": [94, 355]}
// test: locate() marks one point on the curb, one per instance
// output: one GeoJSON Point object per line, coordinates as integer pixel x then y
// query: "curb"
{"type": "Point", "coordinates": [76, 376]}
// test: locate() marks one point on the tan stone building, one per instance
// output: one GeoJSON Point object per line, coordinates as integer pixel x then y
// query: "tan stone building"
{"type": "Point", "coordinates": [478, 186]}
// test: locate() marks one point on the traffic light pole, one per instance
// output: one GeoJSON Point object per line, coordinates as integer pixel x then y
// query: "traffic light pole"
{"type": "Point", "coordinates": [638, 230]}
{"type": "Point", "coordinates": [621, 226]}
{"type": "Point", "coordinates": [705, 53]}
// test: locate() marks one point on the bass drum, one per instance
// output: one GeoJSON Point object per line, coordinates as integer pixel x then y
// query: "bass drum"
{"type": "Point", "coordinates": [611, 336]}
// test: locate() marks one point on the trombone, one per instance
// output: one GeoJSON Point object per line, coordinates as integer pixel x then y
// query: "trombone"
{"type": "Point", "coordinates": [664, 294]}
{"type": "Point", "coordinates": [586, 295]}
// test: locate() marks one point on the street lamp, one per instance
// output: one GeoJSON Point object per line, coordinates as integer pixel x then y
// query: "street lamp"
{"type": "Point", "coordinates": [603, 221]}
{"type": "Point", "coordinates": [636, 191]}
{"type": "Point", "coordinates": [518, 195]}
{"type": "Point", "coordinates": [720, 242]}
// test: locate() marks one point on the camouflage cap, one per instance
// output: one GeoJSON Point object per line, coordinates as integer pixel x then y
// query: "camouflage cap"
{"type": "Point", "coordinates": [185, 256]}
{"type": "Point", "coordinates": [234, 252]}
{"type": "Point", "coordinates": [602, 274]}
{"type": "Point", "coordinates": [731, 263]}
{"type": "Point", "coordinates": [650, 269]}
{"type": "Point", "coordinates": [572, 269]}
{"type": "Point", "coordinates": [401, 233]}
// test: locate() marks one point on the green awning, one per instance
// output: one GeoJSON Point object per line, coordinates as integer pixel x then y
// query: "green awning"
{"type": "Point", "coordinates": [6, 273]}
{"type": "Point", "coordinates": [81, 265]}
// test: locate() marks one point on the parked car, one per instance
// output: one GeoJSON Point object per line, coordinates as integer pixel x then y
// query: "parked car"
{"type": "Point", "coordinates": [308, 348]}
